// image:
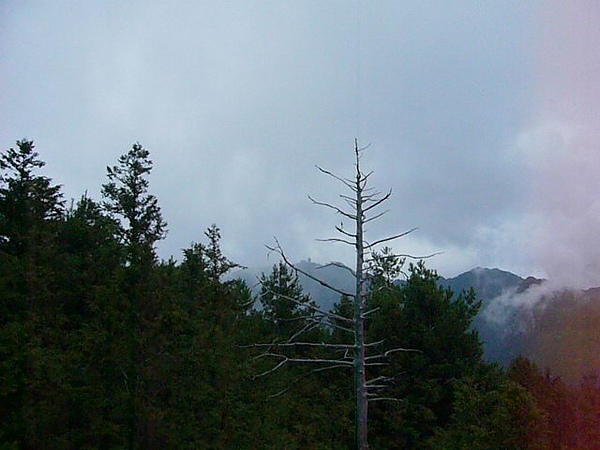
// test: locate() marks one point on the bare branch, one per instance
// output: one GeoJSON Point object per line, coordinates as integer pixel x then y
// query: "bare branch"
{"type": "Point", "coordinates": [377, 386]}
{"type": "Point", "coordinates": [343, 241]}
{"type": "Point", "coordinates": [371, 311]}
{"type": "Point", "coordinates": [300, 344]}
{"type": "Point", "coordinates": [285, 360]}
{"type": "Point", "coordinates": [348, 183]}
{"type": "Point", "coordinates": [400, 349]}
{"type": "Point", "coordinates": [387, 399]}
{"type": "Point", "coordinates": [338, 264]}
{"type": "Point", "coordinates": [378, 202]}
{"type": "Point", "coordinates": [327, 314]}
{"type": "Point", "coordinates": [370, 195]}
{"type": "Point", "coordinates": [295, 382]}
{"type": "Point", "coordinates": [404, 255]}
{"type": "Point", "coordinates": [376, 216]}
{"type": "Point", "coordinates": [271, 370]}
{"type": "Point", "coordinates": [344, 232]}
{"type": "Point", "coordinates": [390, 238]}
{"type": "Point", "coordinates": [370, 192]}
{"type": "Point", "coordinates": [367, 175]}
{"type": "Point", "coordinates": [350, 200]}
{"type": "Point", "coordinates": [308, 275]}
{"type": "Point", "coordinates": [308, 327]}
{"type": "Point", "coordinates": [361, 149]}
{"type": "Point", "coordinates": [384, 378]}
{"type": "Point", "coordinates": [373, 344]}
{"type": "Point", "coordinates": [371, 382]}
{"type": "Point", "coordinates": [335, 208]}
{"type": "Point", "coordinates": [339, 327]}
{"type": "Point", "coordinates": [350, 203]}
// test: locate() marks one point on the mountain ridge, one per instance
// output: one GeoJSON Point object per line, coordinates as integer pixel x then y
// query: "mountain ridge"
{"type": "Point", "coordinates": [554, 327]}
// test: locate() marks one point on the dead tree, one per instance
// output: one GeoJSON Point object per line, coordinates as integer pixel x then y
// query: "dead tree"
{"type": "Point", "coordinates": [362, 207]}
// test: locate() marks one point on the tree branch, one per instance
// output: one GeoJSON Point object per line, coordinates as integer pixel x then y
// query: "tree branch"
{"type": "Point", "coordinates": [343, 241]}
{"type": "Point", "coordinates": [390, 238]}
{"type": "Point", "coordinates": [348, 183]}
{"type": "Point", "coordinates": [404, 255]}
{"type": "Point", "coordinates": [295, 382]}
{"type": "Point", "coordinates": [344, 232]}
{"type": "Point", "coordinates": [300, 344]}
{"type": "Point", "coordinates": [285, 360]}
{"type": "Point", "coordinates": [378, 202]}
{"type": "Point", "coordinates": [340, 265]}
{"type": "Point", "coordinates": [376, 216]}
{"type": "Point", "coordinates": [389, 399]}
{"type": "Point", "coordinates": [279, 250]}
{"type": "Point", "coordinates": [335, 208]}
{"type": "Point", "coordinates": [327, 314]}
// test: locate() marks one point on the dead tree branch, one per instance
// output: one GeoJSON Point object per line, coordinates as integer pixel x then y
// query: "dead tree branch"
{"type": "Point", "coordinates": [363, 204]}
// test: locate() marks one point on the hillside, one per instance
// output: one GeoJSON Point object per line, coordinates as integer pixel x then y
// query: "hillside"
{"type": "Point", "coordinates": [556, 328]}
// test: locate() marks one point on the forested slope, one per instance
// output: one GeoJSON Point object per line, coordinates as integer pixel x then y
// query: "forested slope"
{"type": "Point", "coordinates": [103, 345]}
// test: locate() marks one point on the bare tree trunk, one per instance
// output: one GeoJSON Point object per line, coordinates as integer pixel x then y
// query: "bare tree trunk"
{"type": "Point", "coordinates": [362, 210]}
{"type": "Point", "coordinates": [362, 405]}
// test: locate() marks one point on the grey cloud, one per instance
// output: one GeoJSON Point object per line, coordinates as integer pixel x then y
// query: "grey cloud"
{"type": "Point", "coordinates": [237, 101]}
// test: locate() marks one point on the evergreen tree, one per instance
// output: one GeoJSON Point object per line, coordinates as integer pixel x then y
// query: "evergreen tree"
{"type": "Point", "coordinates": [205, 322]}
{"type": "Point", "coordinates": [31, 210]}
{"type": "Point", "coordinates": [128, 199]}
{"type": "Point", "coordinates": [435, 328]}
{"type": "Point", "coordinates": [283, 300]}
{"type": "Point", "coordinates": [27, 200]}
{"type": "Point", "coordinates": [142, 226]}
{"type": "Point", "coordinates": [491, 411]}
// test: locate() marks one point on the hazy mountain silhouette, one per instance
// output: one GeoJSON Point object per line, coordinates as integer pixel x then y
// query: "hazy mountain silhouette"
{"type": "Point", "coordinates": [558, 328]}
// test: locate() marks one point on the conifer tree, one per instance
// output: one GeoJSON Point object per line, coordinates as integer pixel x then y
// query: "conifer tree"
{"type": "Point", "coordinates": [27, 200]}
{"type": "Point", "coordinates": [283, 300]}
{"type": "Point", "coordinates": [128, 199]}
{"type": "Point", "coordinates": [31, 209]}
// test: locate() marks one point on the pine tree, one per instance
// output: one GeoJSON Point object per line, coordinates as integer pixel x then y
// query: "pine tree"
{"type": "Point", "coordinates": [27, 200]}
{"type": "Point", "coordinates": [128, 199]}
{"type": "Point", "coordinates": [283, 300]}
{"type": "Point", "coordinates": [420, 316]}
{"type": "Point", "coordinates": [141, 227]}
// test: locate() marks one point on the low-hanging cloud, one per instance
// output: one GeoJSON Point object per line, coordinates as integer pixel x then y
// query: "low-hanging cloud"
{"type": "Point", "coordinates": [238, 101]}
{"type": "Point", "coordinates": [561, 147]}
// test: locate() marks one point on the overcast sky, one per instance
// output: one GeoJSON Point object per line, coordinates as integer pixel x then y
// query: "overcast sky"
{"type": "Point", "coordinates": [482, 117]}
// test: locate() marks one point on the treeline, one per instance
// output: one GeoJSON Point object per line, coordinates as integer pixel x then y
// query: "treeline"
{"type": "Point", "coordinates": [103, 345]}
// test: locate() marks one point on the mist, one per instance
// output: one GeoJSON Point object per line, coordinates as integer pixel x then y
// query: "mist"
{"type": "Point", "coordinates": [560, 147]}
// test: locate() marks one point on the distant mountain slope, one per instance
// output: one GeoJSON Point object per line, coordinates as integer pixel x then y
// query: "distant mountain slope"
{"type": "Point", "coordinates": [559, 329]}
{"type": "Point", "coordinates": [332, 274]}
{"type": "Point", "coordinates": [500, 341]}
{"type": "Point", "coordinates": [488, 283]}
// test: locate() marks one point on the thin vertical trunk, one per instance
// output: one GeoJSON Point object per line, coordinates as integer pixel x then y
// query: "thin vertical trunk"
{"type": "Point", "coordinates": [359, 330]}
{"type": "Point", "coordinates": [364, 201]}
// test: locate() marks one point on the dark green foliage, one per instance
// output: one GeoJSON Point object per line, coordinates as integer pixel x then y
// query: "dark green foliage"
{"type": "Point", "coordinates": [104, 346]}
{"type": "Point", "coordinates": [490, 411]}
{"type": "Point", "coordinates": [434, 329]}
{"type": "Point", "coordinates": [27, 200]}
{"type": "Point", "coordinates": [141, 226]}
{"type": "Point", "coordinates": [283, 300]}
{"type": "Point", "coordinates": [128, 199]}
{"type": "Point", "coordinates": [571, 412]}
{"type": "Point", "coordinates": [30, 215]}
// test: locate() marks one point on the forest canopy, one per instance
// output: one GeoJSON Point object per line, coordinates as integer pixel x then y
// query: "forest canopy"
{"type": "Point", "coordinates": [105, 345]}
